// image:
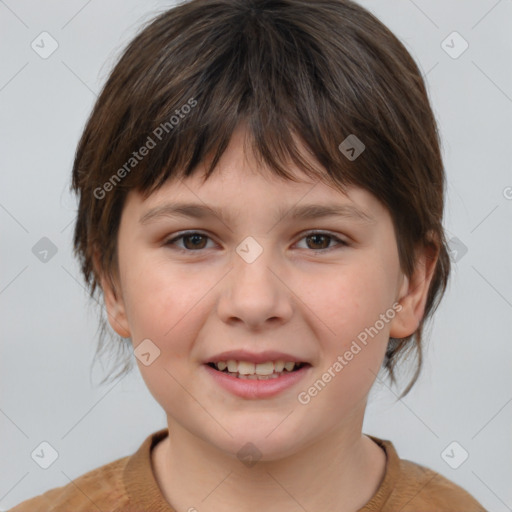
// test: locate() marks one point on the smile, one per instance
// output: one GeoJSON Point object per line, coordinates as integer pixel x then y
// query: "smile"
{"type": "Point", "coordinates": [256, 371]}
{"type": "Point", "coordinates": [256, 380]}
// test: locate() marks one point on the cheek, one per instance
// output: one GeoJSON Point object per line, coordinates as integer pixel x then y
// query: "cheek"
{"type": "Point", "coordinates": [159, 300]}
{"type": "Point", "coordinates": [350, 299]}
{"type": "Point", "coordinates": [352, 350]}
{"type": "Point", "coordinates": [165, 306]}
{"type": "Point", "coordinates": [350, 305]}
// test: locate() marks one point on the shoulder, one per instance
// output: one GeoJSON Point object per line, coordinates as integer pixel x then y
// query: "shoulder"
{"type": "Point", "coordinates": [411, 487]}
{"type": "Point", "coordinates": [99, 489]}
{"type": "Point", "coordinates": [420, 489]}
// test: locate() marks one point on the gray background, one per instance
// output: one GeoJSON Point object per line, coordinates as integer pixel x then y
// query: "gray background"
{"type": "Point", "coordinates": [48, 328]}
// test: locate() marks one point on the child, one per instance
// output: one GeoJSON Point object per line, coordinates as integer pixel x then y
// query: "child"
{"type": "Point", "coordinates": [261, 198]}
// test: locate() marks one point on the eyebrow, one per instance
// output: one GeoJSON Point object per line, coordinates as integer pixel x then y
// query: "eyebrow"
{"type": "Point", "coordinates": [305, 212]}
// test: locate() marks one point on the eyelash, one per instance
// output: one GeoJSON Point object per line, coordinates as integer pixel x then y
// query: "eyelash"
{"type": "Point", "coordinates": [172, 241]}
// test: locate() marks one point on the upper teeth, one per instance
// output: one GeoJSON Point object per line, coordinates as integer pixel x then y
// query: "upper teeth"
{"type": "Point", "coordinates": [247, 368]}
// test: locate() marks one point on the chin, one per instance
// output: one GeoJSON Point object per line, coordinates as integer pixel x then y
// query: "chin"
{"type": "Point", "coordinates": [252, 444]}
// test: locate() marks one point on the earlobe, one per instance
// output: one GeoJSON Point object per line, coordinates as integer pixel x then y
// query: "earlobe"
{"type": "Point", "coordinates": [413, 294]}
{"type": "Point", "coordinates": [114, 303]}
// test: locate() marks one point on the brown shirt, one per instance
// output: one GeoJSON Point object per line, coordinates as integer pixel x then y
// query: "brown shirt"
{"type": "Point", "coordinates": [129, 485]}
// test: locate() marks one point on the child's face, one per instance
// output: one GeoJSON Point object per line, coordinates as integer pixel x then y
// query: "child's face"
{"type": "Point", "coordinates": [292, 298]}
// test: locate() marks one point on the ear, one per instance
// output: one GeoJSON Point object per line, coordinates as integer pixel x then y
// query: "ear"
{"type": "Point", "coordinates": [114, 303]}
{"type": "Point", "coordinates": [413, 292]}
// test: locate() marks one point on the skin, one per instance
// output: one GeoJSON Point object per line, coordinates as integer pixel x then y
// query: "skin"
{"type": "Point", "coordinates": [291, 298]}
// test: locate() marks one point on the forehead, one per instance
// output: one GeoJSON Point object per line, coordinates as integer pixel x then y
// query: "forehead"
{"type": "Point", "coordinates": [240, 183]}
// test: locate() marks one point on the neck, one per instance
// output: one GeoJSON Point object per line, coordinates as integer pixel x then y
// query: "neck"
{"type": "Point", "coordinates": [340, 472]}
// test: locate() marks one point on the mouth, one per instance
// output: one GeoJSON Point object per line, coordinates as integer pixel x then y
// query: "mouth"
{"type": "Point", "coordinates": [247, 370]}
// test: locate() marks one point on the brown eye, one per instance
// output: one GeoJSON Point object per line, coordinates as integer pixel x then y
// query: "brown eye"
{"type": "Point", "coordinates": [318, 241]}
{"type": "Point", "coordinates": [191, 241]}
{"type": "Point", "coordinates": [196, 241]}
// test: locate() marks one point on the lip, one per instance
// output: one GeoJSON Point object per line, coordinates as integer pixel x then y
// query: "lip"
{"type": "Point", "coordinates": [252, 357]}
{"type": "Point", "coordinates": [254, 389]}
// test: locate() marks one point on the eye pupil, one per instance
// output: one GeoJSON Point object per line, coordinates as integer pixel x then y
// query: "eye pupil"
{"type": "Point", "coordinates": [316, 237]}
{"type": "Point", "coordinates": [195, 237]}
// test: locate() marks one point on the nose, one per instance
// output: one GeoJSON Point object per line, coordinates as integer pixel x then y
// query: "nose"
{"type": "Point", "coordinates": [255, 293]}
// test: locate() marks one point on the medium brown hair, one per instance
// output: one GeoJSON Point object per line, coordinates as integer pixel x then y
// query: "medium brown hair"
{"type": "Point", "coordinates": [317, 71]}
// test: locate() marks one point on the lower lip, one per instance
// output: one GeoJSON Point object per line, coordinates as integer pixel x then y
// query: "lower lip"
{"type": "Point", "coordinates": [253, 388]}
